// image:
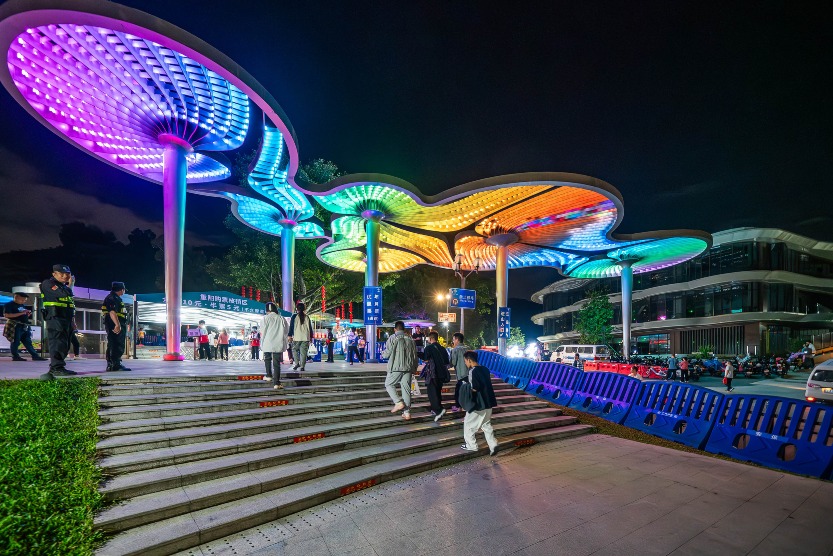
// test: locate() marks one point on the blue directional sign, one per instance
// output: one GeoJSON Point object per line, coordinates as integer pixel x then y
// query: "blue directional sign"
{"type": "Point", "coordinates": [463, 299]}
{"type": "Point", "coordinates": [373, 305]}
{"type": "Point", "coordinates": [504, 322]}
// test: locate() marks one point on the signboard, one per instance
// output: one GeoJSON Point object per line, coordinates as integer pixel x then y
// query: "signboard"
{"type": "Point", "coordinates": [193, 332]}
{"type": "Point", "coordinates": [463, 299]}
{"type": "Point", "coordinates": [373, 305]}
{"type": "Point", "coordinates": [223, 301]}
{"type": "Point", "coordinates": [504, 322]}
{"type": "Point", "coordinates": [446, 317]}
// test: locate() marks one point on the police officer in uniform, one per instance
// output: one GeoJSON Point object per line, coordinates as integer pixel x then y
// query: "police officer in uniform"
{"type": "Point", "coordinates": [114, 314]}
{"type": "Point", "coordinates": [59, 310]}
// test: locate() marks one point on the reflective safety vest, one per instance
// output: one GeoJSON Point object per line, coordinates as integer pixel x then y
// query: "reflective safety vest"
{"type": "Point", "coordinates": [113, 303]}
{"type": "Point", "coordinates": [56, 299]}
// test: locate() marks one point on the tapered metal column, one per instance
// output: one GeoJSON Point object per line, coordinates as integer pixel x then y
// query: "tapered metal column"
{"type": "Point", "coordinates": [174, 175]}
{"type": "Point", "coordinates": [502, 287]}
{"type": "Point", "coordinates": [371, 273]}
{"type": "Point", "coordinates": [627, 295]}
{"type": "Point", "coordinates": [288, 265]}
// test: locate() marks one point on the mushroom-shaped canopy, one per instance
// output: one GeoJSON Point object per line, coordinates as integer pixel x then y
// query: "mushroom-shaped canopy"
{"type": "Point", "coordinates": [548, 219]}
{"type": "Point", "coordinates": [644, 255]}
{"type": "Point", "coordinates": [267, 218]}
{"type": "Point", "coordinates": [269, 176]}
{"type": "Point", "coordinates": [119, 84]}
{"type": "Point", "coordinates": [115, 94]}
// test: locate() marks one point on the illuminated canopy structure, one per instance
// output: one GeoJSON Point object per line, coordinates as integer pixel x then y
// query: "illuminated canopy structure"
{"type": "Point", "coordinates": [565, 221]}
{"type": "Point", "coordinates": [141, 95]}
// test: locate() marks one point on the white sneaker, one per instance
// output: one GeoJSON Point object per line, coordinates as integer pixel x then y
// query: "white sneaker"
{"type": "Point", "coordinates": [439, 415]}
{"type": "Point", "coordinates": [466, 448]}
{"type": "Point", "coordinates": [267, 378]}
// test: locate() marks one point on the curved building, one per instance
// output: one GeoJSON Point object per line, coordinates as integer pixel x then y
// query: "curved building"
{"type": "Point", "coordinates": [753, 290]}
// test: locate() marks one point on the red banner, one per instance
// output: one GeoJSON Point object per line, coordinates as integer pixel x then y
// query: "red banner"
{"type": "Point", "coordinates": [323, 299]}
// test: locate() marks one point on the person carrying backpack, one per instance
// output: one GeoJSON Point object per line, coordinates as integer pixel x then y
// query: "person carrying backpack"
{"type": "Point", "coordinates": [478, 399]}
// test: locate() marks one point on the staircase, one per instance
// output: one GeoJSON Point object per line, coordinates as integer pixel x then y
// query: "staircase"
{"type": "Point", "coordinates": [195, 458]}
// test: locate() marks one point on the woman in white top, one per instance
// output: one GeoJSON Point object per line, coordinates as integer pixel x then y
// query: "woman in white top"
{"type": "Point", "coordinates": [728, 375]}
{"type": "Point", "coordinates": [273, 342]}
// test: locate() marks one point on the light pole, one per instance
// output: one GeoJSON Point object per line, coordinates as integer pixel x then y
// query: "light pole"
{"type": "Point", "coordinates": [458, 271]}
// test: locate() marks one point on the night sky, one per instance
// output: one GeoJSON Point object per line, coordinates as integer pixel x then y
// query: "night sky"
{"type": "Point", "coordinates": [704, 115]}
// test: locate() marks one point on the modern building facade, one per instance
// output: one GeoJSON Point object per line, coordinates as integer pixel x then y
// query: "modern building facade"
{"type": "Point", "coordinates": [752, 291]}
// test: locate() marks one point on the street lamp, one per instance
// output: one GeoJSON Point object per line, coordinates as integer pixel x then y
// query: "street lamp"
{"type": "Point", "coordinates": [458, 271]}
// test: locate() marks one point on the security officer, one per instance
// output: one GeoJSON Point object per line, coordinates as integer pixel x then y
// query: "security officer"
{"type": "Point", "coordinates": [114, 314]}
{"type": "Point", "coordinates": [59, 310]}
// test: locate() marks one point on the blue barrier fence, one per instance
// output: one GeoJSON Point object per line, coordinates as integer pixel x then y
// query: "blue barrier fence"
{"type": "Point", "coordinates": [675, 411]}
{"type": "Point", "coordinates": [793, 435]}
{"type": "Point", "coordinates": [780, 433]}
{"type": "Point", "coordinates": [555, 382]}
{"type": "Point", "coordinates": [519, 372]}
{"type": "Point", "coordinates": [605, 395]}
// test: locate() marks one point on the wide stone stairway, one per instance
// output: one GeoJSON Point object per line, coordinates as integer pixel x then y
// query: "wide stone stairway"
{"type": "Point", "coordinates": [190, 459]}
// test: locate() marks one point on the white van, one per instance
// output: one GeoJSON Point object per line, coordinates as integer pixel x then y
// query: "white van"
{"type": "Point", "coordinates": [567, 353]}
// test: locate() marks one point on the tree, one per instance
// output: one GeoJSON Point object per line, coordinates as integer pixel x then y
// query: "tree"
{"type": "Point", "coordinates": [516, 337]}
{"type": "Point", "coordinates": [593, 320]}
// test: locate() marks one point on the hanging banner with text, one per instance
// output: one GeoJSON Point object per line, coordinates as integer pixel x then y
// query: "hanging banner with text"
{"type": "Point", "coordinates": [463, 299]}
{"type": "Point", "coordinates": [373, 305]}
{"type": "Point", "coordinates": [504, 322]}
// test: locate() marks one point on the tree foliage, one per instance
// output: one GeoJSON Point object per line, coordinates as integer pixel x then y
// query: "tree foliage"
{"type": "Point", "coordinates": [516, 337]}
{"type": "Point", "coordinates": [593, 320]}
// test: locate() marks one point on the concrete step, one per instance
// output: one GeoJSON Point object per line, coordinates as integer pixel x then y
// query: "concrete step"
{"type": "Point", "coordinates": [259, 388]}
{"type": "Point", "coordinates": [182, 474]}
{"type": "Point", "coordinates": [202, 525]}
{"type": "Point", "coordinates": [143, 389]}
{"type": "Point", "coordinates": [168, 503]}
{"type": "Point", "coordinates": [135, 426]}
{"type": "Point", "coordinates": [192, 435]}
{"type": "Point", "coordinates": [137, 378]}
{"type": "Point", "coordinates": [268, 397]}
{"type": "Point", "coordinates": [159, 457]}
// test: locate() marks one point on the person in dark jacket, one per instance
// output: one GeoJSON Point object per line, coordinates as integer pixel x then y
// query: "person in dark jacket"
{"type": "Point", "coordinates": [436, 354]}
{"type": "Point", "coordinates": [59, 309]}
{"type": "Point", "coordinates": [480, 418]}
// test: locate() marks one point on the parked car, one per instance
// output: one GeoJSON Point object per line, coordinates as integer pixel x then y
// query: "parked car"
{"type": "Point", "coordinates": [567, 353]}
{"type": "Point", "coordinates": [820, 383]}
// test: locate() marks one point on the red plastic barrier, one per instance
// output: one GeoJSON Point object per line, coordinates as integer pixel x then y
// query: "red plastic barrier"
{"type": "Point", "coordinates": [591, 365]}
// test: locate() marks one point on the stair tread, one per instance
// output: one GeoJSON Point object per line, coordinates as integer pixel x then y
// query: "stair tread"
{"type": "Point", "coordinates": [207, 430]}
{"type": "Point", "coordinates": [183, 472]}
{"type": "Point", "coordinates": [255, 480]}
{"type": "Point", "coordinates": [202, 525]}
{"type": "Point", "coordinates": [245, 443]}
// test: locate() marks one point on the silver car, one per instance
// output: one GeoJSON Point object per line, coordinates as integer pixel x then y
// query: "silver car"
{"type": "Point", "coordinates": [820, 383]}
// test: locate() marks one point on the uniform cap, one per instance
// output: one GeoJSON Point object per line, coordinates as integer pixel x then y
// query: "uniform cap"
{"type": "Point", "coordinates": [118, 286]}
{"type": "Point", "coordinates": [60, 268]}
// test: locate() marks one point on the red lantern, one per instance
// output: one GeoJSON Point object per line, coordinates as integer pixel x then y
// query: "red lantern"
{"type": "Point", "coordinates": [323, 299]}
{"type": "Point", "coordinates": [251, 292]}
{"type": "Point", "coordinates": [351, 311]}
{"type": "Point", "coordinates": [342, 309]}
{"type": "Point", "coordinates": [257, 295]}
{"type": "Point", "coordinates": [242, 291]}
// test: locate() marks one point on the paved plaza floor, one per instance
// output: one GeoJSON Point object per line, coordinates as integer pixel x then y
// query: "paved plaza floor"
{"type": "Point", "coordinates": [792, 387]}
{"type": "Point", "coordinates": [589, 495]}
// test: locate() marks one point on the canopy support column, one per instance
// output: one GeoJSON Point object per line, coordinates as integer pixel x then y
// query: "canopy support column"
{"type": "Point", "coordinates": [627, 297]}
{"type": "Point", "coordinates": [288, 265]}
{"type": "Point", "coordinates": [174, 185]}
{"type": "Point", "coordinates": [502, 288]}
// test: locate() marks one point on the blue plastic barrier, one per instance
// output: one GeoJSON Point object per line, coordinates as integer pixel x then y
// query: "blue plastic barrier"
{"type": "Point", "coordinates": [675, 411]}
{"type": "Point", "coordinates": [518, 372]}
{"type": "Point", "coordinates": [781, 433]}
{"type": "Point", "coordinates": [488, 359]}
{"type": "Point", "coordinates": [605, 395]}
{"type": "Point", "coordinates": [555, 382]}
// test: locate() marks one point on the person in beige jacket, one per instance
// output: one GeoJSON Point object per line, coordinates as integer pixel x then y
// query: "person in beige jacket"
{"type": "Point", "coordinates": [274, 332]}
